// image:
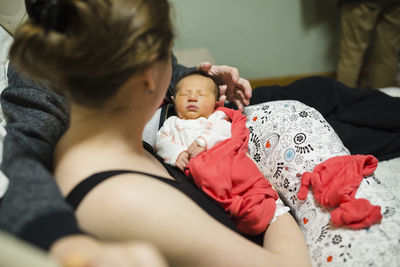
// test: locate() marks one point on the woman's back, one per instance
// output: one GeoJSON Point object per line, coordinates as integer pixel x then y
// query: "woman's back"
{"type": "Point", "coordinates": [87, 150]}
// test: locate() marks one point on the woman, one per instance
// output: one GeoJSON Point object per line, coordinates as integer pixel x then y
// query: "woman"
{"type": "Point", "coordinates": [114, 88]}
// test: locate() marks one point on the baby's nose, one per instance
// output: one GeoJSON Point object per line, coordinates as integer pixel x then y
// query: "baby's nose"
{"type": "Point", "coordinates": [192, 97]}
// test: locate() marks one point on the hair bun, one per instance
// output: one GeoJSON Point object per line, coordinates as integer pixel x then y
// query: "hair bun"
{"type": "Point", "coordinates": [48, 13]}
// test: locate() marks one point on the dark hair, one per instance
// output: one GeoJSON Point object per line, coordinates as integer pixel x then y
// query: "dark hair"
{"type": "Point", "coordinates": [197, 72]}
{"type": "Point", "coordinates": [90, 51]}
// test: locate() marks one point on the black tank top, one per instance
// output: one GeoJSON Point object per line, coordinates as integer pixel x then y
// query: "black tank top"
{"type": "Point", "coordinates": [181, 182]}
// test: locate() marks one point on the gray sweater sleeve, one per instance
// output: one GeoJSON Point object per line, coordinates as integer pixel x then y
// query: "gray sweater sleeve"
{"type": "Point", "coordinates": [33, 207]}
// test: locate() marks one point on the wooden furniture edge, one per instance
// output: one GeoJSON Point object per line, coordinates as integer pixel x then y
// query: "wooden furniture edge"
{"type": "Point", "coordinates": [285, 80]}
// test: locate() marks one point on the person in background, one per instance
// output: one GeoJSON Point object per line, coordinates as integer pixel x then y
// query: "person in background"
{"type": "Point", "coordinates": [370, 41]}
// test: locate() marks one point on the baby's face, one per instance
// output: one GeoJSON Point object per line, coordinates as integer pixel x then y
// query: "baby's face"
{"type": "Point", "coordinates": [195, 97]}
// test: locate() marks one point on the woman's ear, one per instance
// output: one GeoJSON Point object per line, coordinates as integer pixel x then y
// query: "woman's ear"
{"type": "Point", "coordinates": [150, 76]}
{"type": "Point", "coordinates": [149, 84]}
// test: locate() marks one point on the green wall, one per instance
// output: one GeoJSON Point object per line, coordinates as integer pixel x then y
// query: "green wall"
{"type": "Point", "coordinates": [262, 38]}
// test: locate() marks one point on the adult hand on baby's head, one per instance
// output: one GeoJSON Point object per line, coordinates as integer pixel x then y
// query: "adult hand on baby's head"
{"type": "Point", "coordinates": [232, 86]}
{"type": "Point", "coordinates": [182, 160]}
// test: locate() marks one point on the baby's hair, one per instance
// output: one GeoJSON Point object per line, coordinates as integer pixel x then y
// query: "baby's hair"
{"type": "Point", "coordinates": [87, 49]}
{"type": "Point", "coordinates": [197, 72]}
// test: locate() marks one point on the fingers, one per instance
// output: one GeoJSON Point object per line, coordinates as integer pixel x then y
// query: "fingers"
{"type": "Point", "coordinates": [242, 93]}
{"type": "Point", "coordinates": [239, 98]}
{"type": "Point", "coordinates": [235, 89]}
{"type": "Point", "coordinates": [180, 165]}
{"type": "Point", "coordinates": [221, 101]}
{"type": "Point", "coordinates": [204, 66]}
{"type": "Point", "coordinates": [195, 152]}
{"type": "Point", "coordinates": [192, 147]}
{"type": "Point", "coordinates": [182, 160]}
{"type": "Point", "coordinates": [222, 93]}
{"type": "Point", "coordinates": [239, 94]}
{"type": "Point", "coordinates": [234, 74]}
{"type": "Point", "coordinates": [246, 88]}
{"type": "Point", "coordinates": [222, 89]}
{"type": "Point", "coordinates": [185, 159]}
{"type": "Point", "coordinates": [239, 104]}
{"type": "Point", "coordinates": [195, 149]}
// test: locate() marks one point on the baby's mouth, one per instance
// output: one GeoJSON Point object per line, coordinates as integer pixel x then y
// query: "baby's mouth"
{"type": "Point", "coordinates": [192, 108]}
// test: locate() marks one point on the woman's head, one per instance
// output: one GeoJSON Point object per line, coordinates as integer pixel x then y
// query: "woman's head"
{"type": "Point", "coordinates": [195, 96]}
{"type": "Point", "coordinates": [87, 49]}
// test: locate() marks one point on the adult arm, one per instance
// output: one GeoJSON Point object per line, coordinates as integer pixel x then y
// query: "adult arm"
{"type": "Point", "coordinates": [139, 208]}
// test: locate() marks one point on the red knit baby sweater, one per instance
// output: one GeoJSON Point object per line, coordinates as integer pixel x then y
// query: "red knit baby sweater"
{"type": "Point", "coordinates": [228, 175]}
{"type": "Point", "coordinates": [335, 183]}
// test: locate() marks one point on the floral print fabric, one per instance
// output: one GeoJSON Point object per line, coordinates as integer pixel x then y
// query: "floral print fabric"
{"type": "Point", "coordinates": [288, 138]}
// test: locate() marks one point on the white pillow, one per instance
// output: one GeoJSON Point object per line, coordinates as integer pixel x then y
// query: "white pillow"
{"type": "Point", "coordinates": [288, 138]}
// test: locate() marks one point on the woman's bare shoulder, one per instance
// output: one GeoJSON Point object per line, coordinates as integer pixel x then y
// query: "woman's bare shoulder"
{"type": "Point", "coordinates": [134, 206]}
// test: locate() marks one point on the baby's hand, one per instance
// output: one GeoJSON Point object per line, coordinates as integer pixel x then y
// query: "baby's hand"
{"type": "Point", "coordinates": [182, 160]}
{"type": "Point", "coordinates": [195, 149]}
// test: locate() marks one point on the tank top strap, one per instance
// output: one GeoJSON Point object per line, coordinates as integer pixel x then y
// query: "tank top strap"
{"type": "Point", "coordinates": [75, 197]}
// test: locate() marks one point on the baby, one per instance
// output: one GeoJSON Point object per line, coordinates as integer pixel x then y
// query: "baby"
{"type": "Point", "coordinates": [198, 126]}
{"type": "Point", "coordinates": [209, 143]}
